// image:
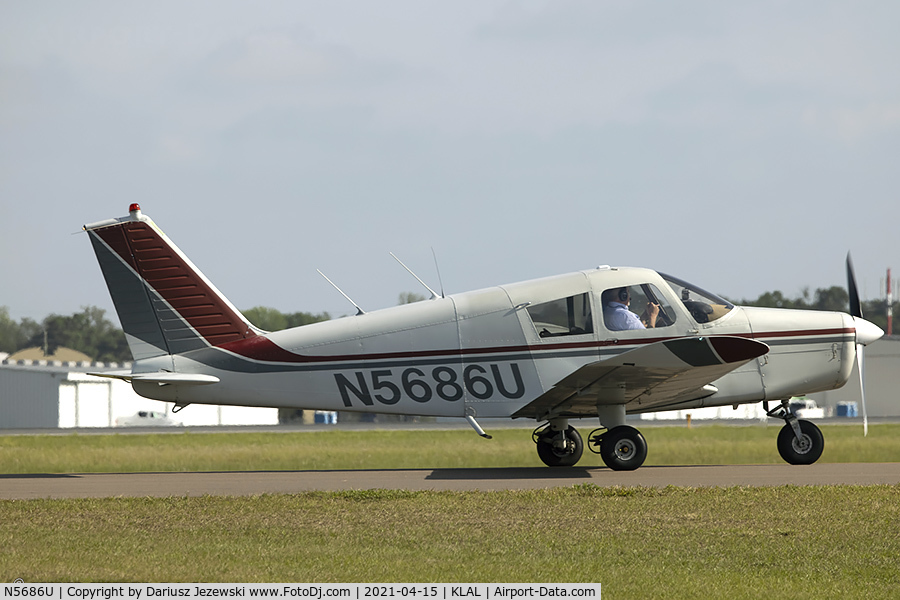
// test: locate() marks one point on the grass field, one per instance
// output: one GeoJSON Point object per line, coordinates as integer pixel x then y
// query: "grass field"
{"type": "Point", "coordinates": [794, 542]}
{"type": "Point", "coordinates": [813, 542]}
{"type": "Point", "coordinates": [187, 451]}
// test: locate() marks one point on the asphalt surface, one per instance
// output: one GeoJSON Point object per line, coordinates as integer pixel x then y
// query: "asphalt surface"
{"type": "Point", "coordinates": [249, 483]}
{"type": "Point", "coordinates": [443, 424]}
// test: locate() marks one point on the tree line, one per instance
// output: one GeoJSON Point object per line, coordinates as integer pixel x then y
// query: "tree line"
{"type": "Point", "coordinates": [90, 332]}
{"type": "Point", "coordinates": [834, 298]}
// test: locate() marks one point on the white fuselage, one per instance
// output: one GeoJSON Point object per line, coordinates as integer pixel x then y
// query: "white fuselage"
{"type": "Point", "coordinates": [483, 354]}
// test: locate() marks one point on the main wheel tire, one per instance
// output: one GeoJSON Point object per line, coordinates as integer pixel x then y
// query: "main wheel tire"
{"type": "Point", "coordinates": [560, 457]}
{"type": "Point", "coordinates": [623, 448]}
{"type": "Point", "coordinates": [804, 451]}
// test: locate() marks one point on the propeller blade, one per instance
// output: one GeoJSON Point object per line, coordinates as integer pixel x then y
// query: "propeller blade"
{"type": "Point", "coordinates": [862, 387]}
{"type": "Point", "coordinates": [866, 333]}
{"type": "Point", "coordinates": [852, 290]}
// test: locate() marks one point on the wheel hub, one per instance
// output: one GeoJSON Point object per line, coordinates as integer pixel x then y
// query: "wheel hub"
{"type": "Point", "coordinates": [625, 450]}
{"type": "Point", "coordinates": [802, 445]}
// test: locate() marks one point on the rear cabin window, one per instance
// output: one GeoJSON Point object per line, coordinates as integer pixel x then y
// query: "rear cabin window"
{"type": "Point", "coordinates": [566, 316]}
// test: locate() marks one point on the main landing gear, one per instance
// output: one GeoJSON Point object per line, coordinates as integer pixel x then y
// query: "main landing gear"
{"type": "Point", "coordinates": [799, 442]}
{"type": "Point", "coordinates": [558, 444]}
{"type": "Point", "coordinates": [622, 448]}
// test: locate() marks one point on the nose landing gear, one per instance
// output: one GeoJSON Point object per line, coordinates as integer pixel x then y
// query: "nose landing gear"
{"type": "Point", "coordinates": [800, 442]}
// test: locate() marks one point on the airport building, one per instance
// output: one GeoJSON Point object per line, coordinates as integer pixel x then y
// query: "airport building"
{"type": "Point", "coordinates": [46, 394]}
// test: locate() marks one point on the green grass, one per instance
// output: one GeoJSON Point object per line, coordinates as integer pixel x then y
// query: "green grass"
{"type": "Point", "coordinates": [793, 542]}
{"type": "Point", "coordinates": [788, 542]}
{"type": "Point", "coordinates": [187, 451]}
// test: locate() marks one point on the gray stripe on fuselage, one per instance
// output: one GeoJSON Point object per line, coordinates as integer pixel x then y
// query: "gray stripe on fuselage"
{"type": "Point", "coordinates": [218, 358]}
{"type": "Point", "coordinates": [227, 361]}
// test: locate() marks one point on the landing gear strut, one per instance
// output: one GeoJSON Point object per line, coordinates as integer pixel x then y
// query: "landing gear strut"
{"type": "Point", "coordinates": [799, 442]}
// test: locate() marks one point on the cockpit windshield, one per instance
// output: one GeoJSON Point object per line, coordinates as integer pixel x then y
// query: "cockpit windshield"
{"type": "Point", "coordinates": [704, 306]}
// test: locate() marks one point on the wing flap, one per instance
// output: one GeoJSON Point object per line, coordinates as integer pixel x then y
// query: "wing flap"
{"type": "Point", "coordinates": [656, 374]}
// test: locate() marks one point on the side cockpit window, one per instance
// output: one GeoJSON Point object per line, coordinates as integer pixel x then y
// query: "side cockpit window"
{"type": "Point", "coordinates": [636, 307]}
{"type": "Point", "coordinates": [566, 316]}
{"type": "Point", "coordinates": [704, 306]}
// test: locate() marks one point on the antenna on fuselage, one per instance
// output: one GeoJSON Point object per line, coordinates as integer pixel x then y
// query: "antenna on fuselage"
{"type": "Point", "coordinates": [359, 311]}
{"type": "Point", "coordinates": [434, 294]}
{"type": "Point", "coordinates": [438, 269]}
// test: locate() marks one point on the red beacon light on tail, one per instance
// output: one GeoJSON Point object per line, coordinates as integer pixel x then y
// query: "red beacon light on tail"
{"type": "Point", "coordinates": [135, 210]}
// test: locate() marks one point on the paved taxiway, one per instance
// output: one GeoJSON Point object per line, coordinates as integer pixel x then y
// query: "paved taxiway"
{"type": "Point", "coordinates": [247, 483]}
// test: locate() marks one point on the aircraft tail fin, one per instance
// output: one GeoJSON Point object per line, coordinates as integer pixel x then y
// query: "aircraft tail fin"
{"type": "Point", "coordinates": [165, 304]}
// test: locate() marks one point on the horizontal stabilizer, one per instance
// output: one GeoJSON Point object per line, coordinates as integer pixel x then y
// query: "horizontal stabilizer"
{"type": "Point", "coordinates": [123, 375]}
{"type": "Point", "coordinates": [161, 378]}
{"type": "Point", "coordinates": [653, 375]}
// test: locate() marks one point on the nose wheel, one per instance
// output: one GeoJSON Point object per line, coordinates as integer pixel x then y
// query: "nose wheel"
{"type": "Point", "coordinates": [800, 442]}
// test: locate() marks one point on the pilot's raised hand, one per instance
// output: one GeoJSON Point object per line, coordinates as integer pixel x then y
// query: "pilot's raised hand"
{"type": "Point", "coordinates": [650, 314]}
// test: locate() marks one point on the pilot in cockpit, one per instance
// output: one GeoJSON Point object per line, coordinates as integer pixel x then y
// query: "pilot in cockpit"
{"type": "Point", "coordinates": [618, 317]}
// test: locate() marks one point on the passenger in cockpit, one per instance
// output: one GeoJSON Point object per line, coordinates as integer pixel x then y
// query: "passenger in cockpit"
{"type": "Point", "coordinates": [617, 315]}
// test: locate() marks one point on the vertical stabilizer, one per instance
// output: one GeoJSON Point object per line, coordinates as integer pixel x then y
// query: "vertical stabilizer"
{"type": "Point", "coordinates": [165, 304]}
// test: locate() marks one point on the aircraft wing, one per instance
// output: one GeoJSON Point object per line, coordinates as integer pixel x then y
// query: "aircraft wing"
{"type": "Point", "coordinates": [653, 375]}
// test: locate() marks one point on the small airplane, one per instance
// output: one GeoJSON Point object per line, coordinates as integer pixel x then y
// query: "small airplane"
{"type": "Point", "coordinates": [601, 343]}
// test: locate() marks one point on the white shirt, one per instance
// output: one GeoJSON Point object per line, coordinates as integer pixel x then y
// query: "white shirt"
{"type": "Point", "coordinates": [619, 318]}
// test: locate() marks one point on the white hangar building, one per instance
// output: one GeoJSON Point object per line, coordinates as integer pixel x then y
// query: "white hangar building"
{"type": "Point", "coordinates": [38, 394]}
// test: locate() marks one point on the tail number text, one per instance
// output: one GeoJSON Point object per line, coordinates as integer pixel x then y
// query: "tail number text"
{"type": "Point", "coordinates": [422, 385]}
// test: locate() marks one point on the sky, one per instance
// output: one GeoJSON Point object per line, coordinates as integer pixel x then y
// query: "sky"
{"type": "Point", "coordinates": [744, 147]}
